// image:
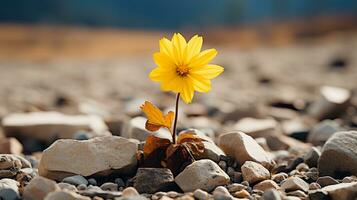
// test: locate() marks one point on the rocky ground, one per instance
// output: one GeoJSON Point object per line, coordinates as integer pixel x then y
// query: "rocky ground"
{"type": "Point", "coordinates": [280, 123]}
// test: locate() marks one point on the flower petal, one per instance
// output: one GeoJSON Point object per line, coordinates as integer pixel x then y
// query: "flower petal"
{"type": "Point", "coordinates": [160, 74]}
{"type": "Point", "coordinates": [179, 46]}
{"type": "Point", "coordinates": [163, 60]}
{"type": "Point", "coordinates": [208, 71]}
{"type": "Point", "coordinates": [203, 58]}
{"type": "Point", "coordinates": [187, 90]}
{"type": "Point", "coordinates": [193, 47]}
{"type": "Point", "coordinates": [200, 84]}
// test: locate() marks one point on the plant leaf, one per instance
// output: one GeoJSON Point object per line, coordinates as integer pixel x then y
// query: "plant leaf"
{"type": "Point", "coordinates": [156, 119]}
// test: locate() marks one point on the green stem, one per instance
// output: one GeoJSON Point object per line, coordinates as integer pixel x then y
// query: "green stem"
{"type": "Point", "coordinates": [175, 120]}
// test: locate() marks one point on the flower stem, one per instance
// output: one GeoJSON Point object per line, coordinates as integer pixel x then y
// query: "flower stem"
{"type": "Point", "coordinates": [175, 120]}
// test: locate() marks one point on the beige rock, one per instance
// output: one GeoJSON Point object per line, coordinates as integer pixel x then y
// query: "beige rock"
{"type": "Point", "coordinates": [294, 183]}
{"type": "Point", "coordinates": [254, 172]}
{"type": "Point", "coordinates": [47, 126]}
{"type": "Point", "coordinates": [13, 161]}
{"type": "Point", "coordinates": [38, 188]}
{"type": "Point", "coordinates": [266, 185]}
{"type": "Point", "coordinates": [100, 155]}
{"type": "Point", "coordinates": [244, 148]}
{"type": "Point", "coordinates": [341, 191]}
{"type": "Point", "coordinates": [66, 194]}
{"type": "Point", "coordinates": [283, 142]}
{"type": "Point", "coordinates": [202, 174]}
{"type": "Point", "coordinates": [10, 146]}
{"type": "Point", "coordinates": [257, 127]}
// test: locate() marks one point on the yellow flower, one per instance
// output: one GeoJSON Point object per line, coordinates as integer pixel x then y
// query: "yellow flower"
{"type": "Point", "coordinates": [183, 68]}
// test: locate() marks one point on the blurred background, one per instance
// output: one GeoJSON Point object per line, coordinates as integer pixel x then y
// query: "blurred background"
{"type": "Point", "coordinates": [94, 56]}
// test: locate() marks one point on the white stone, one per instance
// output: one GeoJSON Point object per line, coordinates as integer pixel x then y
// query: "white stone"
{"type": "Point", "coordinates": [99, 155]}
{"type": "Point", "coordinates": [294, 183]}
{"type": "Point", "coordinates": [244, 148]}
{"type": "Point", "coordinates": [47, 126]}
{"type": "Point", "coordinates": [39, 187]}
{"type": "Point", "coordinates": [9, 189]}
{"type": "Point", "coordinates": [202, 174]}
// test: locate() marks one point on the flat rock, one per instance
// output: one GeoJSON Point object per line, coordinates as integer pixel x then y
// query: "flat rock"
{"type": "Point", "coordinates": [75, 180]}
{"type": "Point", "coordinates": [339, 155]}
{"type": "Point", "coordinates": [65, 194]}
{"type": "Point", "coordinates": [257, 127]}
{"type": "Point", "coordinates": [326, 181]}
{"type": "Point", "coordinates": [322, 131]}
{"type": "Point", "coordinates": [151, 180]}
{"type": "Point", "coordinates": [333, 101]}
{"type": "Point", "coordinates": [38, 188]}
{"type": "Point", "coordinates": [294, 183]}
{"type": "Point", "coordinates": [341, 191]}
{"type": "Point", "coordinates": [283, 142]}
{"type": "Point", "coordinates": [202, 174]}
{"type": "Point", "coordinates": [244, 148]}
{"type": "Point", "coordinates": [254, 172]}
{"type": "Point", "coordinates": [10, 146]}
{"type": "Point", "coordinates": [48, 126]}
{"type": "Point", "coordinates": [271, 194]}
{"type": "Point", "coordinates": [9, 189]}
{"type": "Point", "coordinates": [100, 155]}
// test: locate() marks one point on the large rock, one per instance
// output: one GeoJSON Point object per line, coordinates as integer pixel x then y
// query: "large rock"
{"type": "Point", "coordinates": [322, 131]}
{"type": "Point", "coordinates": [333, 102]}
{"type": "Point", "coordinates": [202, 174]}
{"type": "Point", "coordinates": [9, 189]}
{"type": "Point", "coordinates": [342, 191]}
{"type": "Point", "coordinates": [339, 155]}
{"type": "Point", "coordinates": [244, 148]}
{"type": "Point", "coordinates": [38, 188]}
{"type": "Point", "coordinates": [254, 172]}
{"type": "Point", "coordinates": [151, 180]}
{"type": "Point", "coordinates": [257, 127]}
{"type": "Point", "coordinates": [48, 126]}
{"type": "Point", "coordinates": [100, 155]}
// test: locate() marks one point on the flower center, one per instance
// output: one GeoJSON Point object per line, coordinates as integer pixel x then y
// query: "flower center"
{"type": "Point", "coordinates": [182, 70]}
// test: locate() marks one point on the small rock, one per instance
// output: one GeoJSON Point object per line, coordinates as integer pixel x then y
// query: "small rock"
{"type": "Point", "coordinates": [9, 189]}
{"type": "Point", "coordinates": [235, 187]}
{"type": "Point", "coordinates": [349, 179]}
{"type": "Point", "coordinates": [283, 142]}
{"type": "Point", "coordinates": [47, 126]}
{"type": "Point", "coordinates": [278, 178]}
{"type": "Point", "coordinates": [297, 193]}
{"type": "Point", "coordinates": [130, 191]}
{"type": "Point", "coordinates": [237, 177]}
{"type": "Point", "coordinates": [254, 172]}
{"type": "Point", "coordinates": [314, 186]}
{"type": "Point", "coordinates": [75, 180]}
{"type": "Point", "coordinates": [151, 180]}
{"type": "Point", "coordinates": [333, 101]}
{"type": "Point", "coordinates": [242, 194]}
{"type": "Point", "coordinates": [38, 188]}
{"type": "Point", "coordinates": [342, 148]}
{"type": "Point", "coordinates": [65, 194]}
{"type": "Point", "coordinates": [98, 155]}
{"type": "Point", "coordinates": [92, 181]}
{"type": "Point", "coordinates": [201, 194]}
{"type": "Point", "coordinates": [326, 180]}
{"type": "Point", "coordinates": [302, 167]}
{"type": "Point", "coordinates": [116, 124]}
{"type": "Point", "coordinates": [266, 185]}
{"type": "Point", "coordinates": [341, 191]}
{"type": "Point", "coordinates": [10, 146]}
{"type": "Point", "coordinates": [295, 128]}
{"type": "Point", "coordinates": [119, 182]}
{"type": "Point", "coordinates": [257, 127]}
{"type": "Point", "coordinates": [82, 187]}
{"type": "Point", "coordinates": [8, 161]}
{"type": "Point", "coordinates": [271, 194]}
{"type": "Point", "coordinates": [223, 165]}
{"type": "Point", "coordinates": [202, 174]}
{"type": "Point", "coordinates": [294, 183]}
{"type": "Point", "coordinates": [312, 156]}
{"type": "Point", "coordinates": [109, 186]}
{"type": "Point", "coordinates": [67, 186]}
{"type": "Point", "coordinates": [221, 193]}
{"type": "Point", "coordinates": [244, 148]}
{"type": "Point", "coordinates": [322, 131]}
